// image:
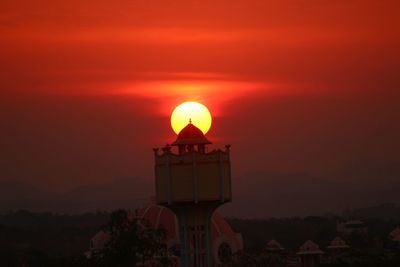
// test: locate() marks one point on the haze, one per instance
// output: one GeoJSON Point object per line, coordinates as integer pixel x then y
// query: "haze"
{"type": "Point", "coordinates": [307, 93]}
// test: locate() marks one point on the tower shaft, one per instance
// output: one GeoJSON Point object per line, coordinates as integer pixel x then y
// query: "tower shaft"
{"type": "Point", "coordinates": [195, 234]}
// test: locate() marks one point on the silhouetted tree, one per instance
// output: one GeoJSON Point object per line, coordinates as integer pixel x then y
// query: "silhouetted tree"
{"type": "Point", "coordinates": [133, 242]}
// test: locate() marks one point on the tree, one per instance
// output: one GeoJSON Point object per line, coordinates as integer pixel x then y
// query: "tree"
{"type": "Point", "coordinates": [133, 242]}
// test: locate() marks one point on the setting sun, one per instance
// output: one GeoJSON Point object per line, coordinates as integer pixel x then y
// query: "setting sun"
{"type": "Point", "coordinates": [196, 112]}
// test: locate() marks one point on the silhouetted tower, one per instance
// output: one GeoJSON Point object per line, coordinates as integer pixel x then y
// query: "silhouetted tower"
{"type": "Point", "coordinates": [193, 183]}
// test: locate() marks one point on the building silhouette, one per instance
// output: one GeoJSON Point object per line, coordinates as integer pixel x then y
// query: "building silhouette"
{"type": "Point", "coordinates": [193, 183]}
{"type": "Point", "coordinates": [310, 254]}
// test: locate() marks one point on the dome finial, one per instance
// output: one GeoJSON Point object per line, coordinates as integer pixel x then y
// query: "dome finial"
{"type": "Point", "coordinates": [190, 120]}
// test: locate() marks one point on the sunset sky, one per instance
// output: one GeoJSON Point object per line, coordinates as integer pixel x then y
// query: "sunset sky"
{"type": "Point", "coordinates": [307, 93]}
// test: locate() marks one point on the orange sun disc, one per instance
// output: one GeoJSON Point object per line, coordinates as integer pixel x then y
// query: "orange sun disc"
{"type": "Point", "coordinates": [199, 115]}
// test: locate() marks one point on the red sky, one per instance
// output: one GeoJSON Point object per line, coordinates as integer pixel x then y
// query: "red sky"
{"type": "Point", "coordinates": [296, 86]}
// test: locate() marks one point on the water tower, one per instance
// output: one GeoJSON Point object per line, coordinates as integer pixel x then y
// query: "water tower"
{"type": "Point", "coordinates": [193, 183]}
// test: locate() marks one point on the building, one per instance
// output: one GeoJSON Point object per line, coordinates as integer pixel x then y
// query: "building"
{"type": "Point", "coordinates": [274, 246]}
{"type": "Point", "coordinates": [352, 227]}
{"type": "Point", "coordinates": [336, 250]}
{"type": "Point", "coordinates": [273, 254]}
{"type": "Point", "coordinates": [193, 183]}
{"type": "Point", "coordinates": [310, 254]}
{"type": "Point", "coordinates": [337, 245]}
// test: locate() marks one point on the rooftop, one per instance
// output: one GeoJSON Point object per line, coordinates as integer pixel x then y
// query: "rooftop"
{"type": "Point", "coordinates": [191, 135]}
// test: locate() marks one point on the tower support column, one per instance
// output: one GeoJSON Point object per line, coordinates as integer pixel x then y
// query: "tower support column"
{"type": "Point", "coordinates": [195, 233]}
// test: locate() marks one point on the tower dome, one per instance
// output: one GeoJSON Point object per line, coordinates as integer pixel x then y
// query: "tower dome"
{"type": "Point", "coordinates": [191, 135]}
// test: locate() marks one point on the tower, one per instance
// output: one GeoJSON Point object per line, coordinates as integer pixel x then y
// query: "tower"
{"type": "Point", "coordinates": [193, 183]}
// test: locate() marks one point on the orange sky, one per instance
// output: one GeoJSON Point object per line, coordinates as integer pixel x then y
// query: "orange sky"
{"type": "Point", "coordinates": [296, 86]}
{"type": "Point", "coordinates": [97, 46]}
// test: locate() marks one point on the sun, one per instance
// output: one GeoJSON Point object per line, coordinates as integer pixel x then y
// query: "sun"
{"type": "Point", "coordinates": [199, 115]}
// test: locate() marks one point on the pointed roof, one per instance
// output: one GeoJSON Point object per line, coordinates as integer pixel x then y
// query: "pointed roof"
{"type": "Point", "coordinates": [190, 135]}
{"type": "Point", "coordinates": [338, 243]}
{"type": "Point", "coordinates": [274, 245]}
{"type": "Point", "coordinates": [309, 247]}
